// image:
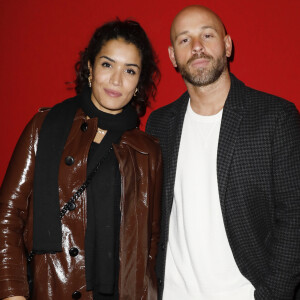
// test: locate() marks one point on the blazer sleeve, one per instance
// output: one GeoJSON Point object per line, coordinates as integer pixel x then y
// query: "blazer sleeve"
{"type": "Point", "coordinates": [15, 195]}
{"type": "Point", "coordinates": [149, 127]}
{"type": "Point", "coordinates": [284, 275]}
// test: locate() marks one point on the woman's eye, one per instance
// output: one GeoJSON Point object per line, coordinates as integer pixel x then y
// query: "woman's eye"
{"type": "Point", "coordinates": [106, 65]}
{"type": "Point", "coordinates": [130, 71]}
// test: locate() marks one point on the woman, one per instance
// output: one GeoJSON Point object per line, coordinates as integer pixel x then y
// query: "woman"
{"type": "Point", "coordinates": [80, 199]}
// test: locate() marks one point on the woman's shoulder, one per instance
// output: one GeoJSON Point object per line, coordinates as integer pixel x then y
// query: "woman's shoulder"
{"type": "Point", "coordinates": [64, 106]}
{"type": "Point", "coordinates": [37, 119]}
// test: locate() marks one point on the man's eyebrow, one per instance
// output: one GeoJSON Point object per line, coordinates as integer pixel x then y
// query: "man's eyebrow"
{"type": "Point", "coordinates": [209, 27]}
{"type": "Point", "coordinates": [202, 27]}
{"type": "Point", "coordinates": [181, 33]}
{"type": "Point", "coordinates": [128, 65]}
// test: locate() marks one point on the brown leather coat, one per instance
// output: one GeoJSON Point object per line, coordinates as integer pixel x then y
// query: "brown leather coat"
{"type": "Point", "coordinates": [58, 276]}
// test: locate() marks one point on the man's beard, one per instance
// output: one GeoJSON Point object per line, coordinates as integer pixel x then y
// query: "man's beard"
{"type": "Point", "coordinates": [203, 76]}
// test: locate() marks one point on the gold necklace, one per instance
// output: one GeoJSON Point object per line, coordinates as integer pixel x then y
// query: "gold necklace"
{"type": "Point", "coordinates": [101, 131]}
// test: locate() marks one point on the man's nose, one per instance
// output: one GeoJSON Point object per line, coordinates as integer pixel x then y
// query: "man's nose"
{"type": "Point", "coordinates": [197, 46]}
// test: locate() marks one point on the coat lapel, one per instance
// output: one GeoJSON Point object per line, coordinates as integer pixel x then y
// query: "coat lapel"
{"type": "Point", "coordinates": [174, 135]}
{"type": "Point", "coordinates": [231, 119]}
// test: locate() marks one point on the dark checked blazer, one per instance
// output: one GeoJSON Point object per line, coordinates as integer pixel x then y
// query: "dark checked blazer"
{"type": "Point", "coordinates": [258, 170]}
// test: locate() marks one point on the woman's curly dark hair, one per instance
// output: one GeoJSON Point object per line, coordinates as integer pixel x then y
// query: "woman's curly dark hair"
{"type": "Point", "coordinates": [133, 33]}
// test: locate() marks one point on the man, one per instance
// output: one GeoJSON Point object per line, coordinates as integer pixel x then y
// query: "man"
{"type": "Point", "coordinates": [230, 227]}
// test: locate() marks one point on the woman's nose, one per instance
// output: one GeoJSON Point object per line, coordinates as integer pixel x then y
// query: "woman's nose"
{"type": "Point", "coordinates": [116, 78]}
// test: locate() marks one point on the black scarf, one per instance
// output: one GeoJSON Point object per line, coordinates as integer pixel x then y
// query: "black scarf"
{"type": "Point", "coordinates": [47, 232]}
{"type": "Point", "coordinates": [103, 223]}
{"type": "Point", "coordinates": [103, 208]}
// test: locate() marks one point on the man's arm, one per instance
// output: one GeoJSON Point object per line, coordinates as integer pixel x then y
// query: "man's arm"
{"type": "Point", "coordinates": [284, 277]}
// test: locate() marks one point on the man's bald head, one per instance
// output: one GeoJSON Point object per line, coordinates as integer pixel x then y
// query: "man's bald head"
{"type": "Point", "coordinates": [192, 14]}
{"type": "Point", "coordinates": [200, 46]}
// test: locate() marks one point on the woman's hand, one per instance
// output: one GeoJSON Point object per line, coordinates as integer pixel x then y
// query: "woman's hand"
{"type": "Point", "coordinates": [15, 298]}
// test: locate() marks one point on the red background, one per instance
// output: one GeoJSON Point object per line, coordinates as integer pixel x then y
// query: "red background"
{"type": "Point", "coordinates": [40, 42]}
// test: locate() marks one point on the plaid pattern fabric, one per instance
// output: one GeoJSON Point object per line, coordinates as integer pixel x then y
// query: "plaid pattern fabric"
{"type": "Point", "coordinates": [258, 169]}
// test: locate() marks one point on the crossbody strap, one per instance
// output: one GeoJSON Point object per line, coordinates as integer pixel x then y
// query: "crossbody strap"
{"type": "Point", "coordinates": [71, 205]}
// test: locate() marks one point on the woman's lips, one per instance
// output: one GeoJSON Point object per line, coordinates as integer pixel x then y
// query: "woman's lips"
{"type": "Point", "coordinates": [112, 93]}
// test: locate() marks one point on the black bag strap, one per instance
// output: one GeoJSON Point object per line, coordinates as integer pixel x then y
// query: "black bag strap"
{"type": "Point", "coordinates": [71, 205]}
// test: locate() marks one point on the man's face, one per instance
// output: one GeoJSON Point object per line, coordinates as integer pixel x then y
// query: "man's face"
{"type": "Point", "coordinates": [200, 46]}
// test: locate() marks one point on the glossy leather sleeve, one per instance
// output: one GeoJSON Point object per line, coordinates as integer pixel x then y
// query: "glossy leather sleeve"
{"type": "Point", "coordinates": [15, 195]}
{"type": "Point", "coordinates": [155, 212]}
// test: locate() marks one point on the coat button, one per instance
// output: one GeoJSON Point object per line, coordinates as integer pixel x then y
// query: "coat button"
{"type": "Point", "coordinates": [84, 126]}
{"type": "Point", "coordinates": [163, 247]}
{"type": "Point", "coordinates": [73, 251]}
{"type": "Point", "coordinates": [69, 160]}
{"type": "Point", "coordinates": [76, 295]}
{"type": "Point", "coordinates": [160, 282]}
{"type": "Point", "coordinates": [71, 206]}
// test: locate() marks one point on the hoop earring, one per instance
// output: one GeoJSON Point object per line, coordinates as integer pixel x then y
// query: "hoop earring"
{"type": "Point", "coordinates": [135, 92]}
{"type": "Point", "coordinates": [89, 79]}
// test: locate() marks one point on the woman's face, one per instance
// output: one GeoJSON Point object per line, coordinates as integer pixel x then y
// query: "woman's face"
{"type": "Point", "coordinates": [115, 75]}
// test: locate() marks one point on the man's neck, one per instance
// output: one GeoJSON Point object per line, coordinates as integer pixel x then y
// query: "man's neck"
{"type": "Point", "coordinates": [209, 100]}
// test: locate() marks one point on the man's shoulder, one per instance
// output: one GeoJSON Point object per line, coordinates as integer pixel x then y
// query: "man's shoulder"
{"type": "Point", "coordinates": [259, 100]}
{"type": "Point", "coordinates": [258, 94]}
{"type": "Point", "coordinates": [170, 109]}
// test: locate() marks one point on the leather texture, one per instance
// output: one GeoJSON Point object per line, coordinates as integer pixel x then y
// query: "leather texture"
{"type": "Point", "coordinates": [258, 169]}
{"type": "Point", "coordinates": [61, 275]}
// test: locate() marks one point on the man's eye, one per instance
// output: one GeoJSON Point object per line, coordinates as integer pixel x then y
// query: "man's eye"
{"type": "Point", "coordinates": [106, 65]}
{"type": "Point", "coordinates": [184, 41]}
{"type": "Point", "coordinates": [207, 36]}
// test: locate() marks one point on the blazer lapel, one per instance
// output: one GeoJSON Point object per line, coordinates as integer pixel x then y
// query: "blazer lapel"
{"type": "Point", "coordinates": [231, 119]}
{"type": "Point", "coordinates": [228, 135]}
{"type": "Point", "coordinates": [174, 135]}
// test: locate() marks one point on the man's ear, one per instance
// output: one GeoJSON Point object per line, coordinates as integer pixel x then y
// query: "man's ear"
{"type": "Point", "coordinates": [172, 56]}
{"type": "Point", "coordinates": [228, 45]}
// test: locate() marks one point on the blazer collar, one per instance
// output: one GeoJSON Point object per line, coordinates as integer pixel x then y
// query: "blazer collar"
{"type": "Point", "coordinates": [177, 115]}
{"type": "Point", "coordinates": [236, 96]}
{"type": "Point", "coordinates": [231, 119]}
{"type": "Point", "coordinates": [175, 124]}
{"type": "Point", "coordinates": [235, 99]}
{"type": "Point", "coordinates": [172, 142]}
{"type": "Point", "coordinates": [229, 131]}
{"type": "Point", "coordinates": [178, 108]}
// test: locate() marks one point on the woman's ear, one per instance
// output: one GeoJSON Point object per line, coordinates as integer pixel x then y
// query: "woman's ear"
{"type": "Point", "coordinates": [90, 74]}
{"type": "Point", "coordinates": [90, 68]}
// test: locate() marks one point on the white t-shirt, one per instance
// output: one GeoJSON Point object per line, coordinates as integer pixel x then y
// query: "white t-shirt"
{"type": "Point", "coordinates": [200, 263]}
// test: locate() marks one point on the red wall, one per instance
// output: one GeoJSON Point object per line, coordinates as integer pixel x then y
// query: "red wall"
{"type": "Point", "coordinates": [40, 41]}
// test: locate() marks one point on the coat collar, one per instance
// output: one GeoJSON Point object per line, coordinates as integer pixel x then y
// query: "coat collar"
{"type": "Point", "coordinates": [138, 140]}
{"type": "Point", "coordinates": [134, 138]}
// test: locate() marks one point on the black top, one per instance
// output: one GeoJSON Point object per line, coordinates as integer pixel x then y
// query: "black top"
{"type": "Point", "coordinates": [112, 213]}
